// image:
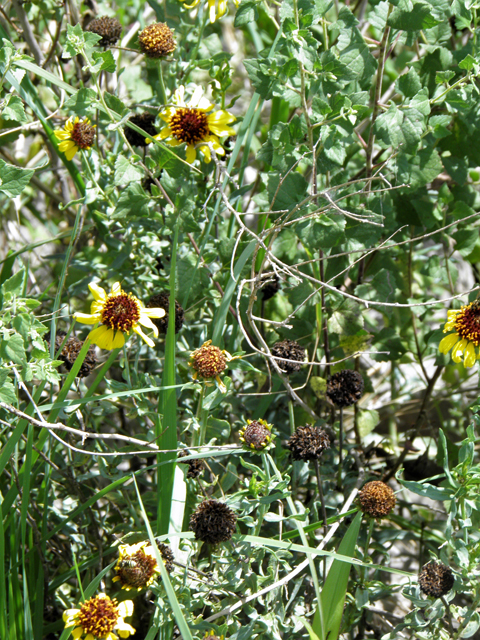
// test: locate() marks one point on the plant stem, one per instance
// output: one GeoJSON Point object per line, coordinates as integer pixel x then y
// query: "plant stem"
{"type": "Point", "coordinates": [340, 449]}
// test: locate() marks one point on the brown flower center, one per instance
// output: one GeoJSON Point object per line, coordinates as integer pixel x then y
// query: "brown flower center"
{"type": "Point", "coordinates": [209, 361]}
{"type": "Point", "coordinates": [467, 322]}
{"type": "Point", "coordinates": [98, 616]}
{"type": "Point", "coordinates": [121, 312]}
{"type": "Point", "coordinates": [136, 570]}
{"type": "Point", "coordinates": [189, 125]}
{"type": "Point", "coordinates": [83, 134]}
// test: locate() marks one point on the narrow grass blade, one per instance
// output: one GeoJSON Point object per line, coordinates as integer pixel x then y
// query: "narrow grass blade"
{"type": "Point", "coordinates": [335, 588]}
{"type": "Point", "coordinates": [167, 427]}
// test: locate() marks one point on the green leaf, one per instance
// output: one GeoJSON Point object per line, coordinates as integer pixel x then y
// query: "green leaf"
{"type": "Point", "coordinates": [12, 348]}
{"type": "Point", "coordinates": [381, 287]}
{"type": "Point", "coordinates": [246, 13]}
{"type": "Point", "coordinates": [467, 63]}
{"type": "Point", "coordinates": [13, 180]}
{"type": "Point", "coordinates": [428, 490]}
{"type": "Point", "coordinates": [15, 283]}
{"type": "Point", "coordinates": [104, 61]}
{"type": "Point", "coordinates": [126, 172]}
{"type": "Point", "coordinates": [409, 84]}
{"type": "Point", "coordinates": [408, 18]}
{"type": "Point", "coordinates": [12, 109]}
{"type": "Point", "coordinates": [7, 390]}
{"type": "Point", "coordinates": [354, 52]}
{"type": "Point", "coordinates": [319, 386]}
{"type": "Point", "coordinates": [419, 170]}
{"type": "Point", "coordinates": [82, 102]}
{"type": "Point", "coordinates": [217, 428]}
{"type": "Point", "coordinates": [132, 201]}
{"type": "Point", "coordinates": [367, 421]}
{"type": "Point", "coordinates": [346, 321]}
{"type": "Point", "coordinates": [335, 588]}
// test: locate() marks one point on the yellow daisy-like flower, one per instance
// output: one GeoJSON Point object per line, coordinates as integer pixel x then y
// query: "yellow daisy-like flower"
{"type": "Point", "coordinates": [99, 617]}
{"type": "Point", "coordinates": [465, 323]}
{"type": "Point", "coordinates": [212, 636]}
{"type": "Point", "coordinates": [196, 124]}
{"type": "Point", "coordinates": [119, 313]}
{"type": "Point", "coordinates": [75, 135]}
{"type": "Point", "coordinates": [137, 566]}
{"type": "Point", "coordinates": [216, 8]}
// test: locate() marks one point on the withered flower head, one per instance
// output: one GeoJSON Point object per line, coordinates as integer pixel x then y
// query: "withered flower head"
{"type": "Point", "coordinates": [162, 300]}
{"type": "Point", "coordinates": [70, 351]}
{"type": "Point", "coordinates": [345, 387]}
{"type": "Point", "coordinates": [376, 499]}
{"type": "Point", "coordinates": [167, 555]}
{"type": "Point", "coordinates": [435, 579]}
{"type": "Point", "coordinates": [211, 636]}
{"type": "Point", "coordinates": [145, 121]}
{"type": "Point", "coordinates": [290, 350]}
{"type": "Point", "coordinates": [271, 286]}
{"type": "Point", "coordinates": [156, 40]}
{"type": "Point", "coordinates": [196, 466]}
{"type": "Point", "coordinates": [257, 435]}
{"type": "Point", "coordinates": [308, 443]}
{"type": "Point", "coordinates": [109, 28]}
{"type": "Point", "coordinates": [209, 362]}
{"type": "Point", "coordinates": [213, 522]}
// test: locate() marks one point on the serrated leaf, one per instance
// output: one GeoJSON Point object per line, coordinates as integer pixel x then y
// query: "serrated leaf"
{"type": "Point", "coordinates": [126, 172]}
{"type": "Point", "coordinates": [13, 180]}
{"type": "Point", "coordinates": [14, 284]}
{"type": "Point", "coordinates": [13, 348]}
{"type": "Point", "coordinates": [246, 13]}
{"type": "Point", "coordinates": [346, 321]}
{"type": "Point", "coordinates": [82, 102]}
{"type": "Point", "coordinates": [409, 19]}
{"type": "Point", "coordinates": [104, 61]}
{"type": "Point", "coordinates": [7, 391]}
{"type": "Point", "coordinates": [132, 201]}
{"type": "Point", "coordinates": [13, 109]}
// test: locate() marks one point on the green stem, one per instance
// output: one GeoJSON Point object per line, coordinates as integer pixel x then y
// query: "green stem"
{"type": "Point", "coordinates": [363, 572]}
{"type": "Point", "coordinates": [340, 449]}
{"type": "Point", "coordinates": [163, 93]}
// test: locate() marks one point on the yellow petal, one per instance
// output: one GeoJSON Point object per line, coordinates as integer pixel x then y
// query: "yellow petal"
{"type": "Point", "coordinates": [77, 633]}
{"type": "Point", "coordinates": [70, 154]}
{"type": "Point", "coordinates": [153, 312]}
{"type": "Point", "coordinates": [97, 292]}
{"type": "Point", "coordinates": [211, 4]}
{"type": "Point", "coordinates": [107, 338]}
{"type": "Point", "coordinates": [146, 322]}
{"type": "Point", "coordinates": [116, 289]}
{"type": "Point", "coordinates": [207, 156]}
{"type": "Point", "coordinates": [87, 318]}
{"type": "Point", "coordinates": [447, 343]}
{"type": "Point", "coordinates": [124, 629]}
{"type": "Point", "coordinates": [145, 338]}
{"type": "Point", "coordinates": [61, 134]}
{"type": "Point", "coordinates": [458, 350]}
{"type": "Point", "coordinates": [125, 608]}
{"type": "Point", "coordinates": [470, 355]}
{"type": "Point", "coordinates": [191, 153]}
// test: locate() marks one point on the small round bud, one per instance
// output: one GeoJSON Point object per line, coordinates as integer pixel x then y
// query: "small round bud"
{"type": "Point", "coordinates": [290, 350]}
{"type": "Point", "coordinates": [257, 435]}
{"type": "Point", "coordinates": [376, 499]}
{"type": "Point", "coordinates": [308, 443]}
{"type": "Point", "coordinates": [345, 387]}
{"type": "Point", "coordinates": [271, 286]}
{"type": "Point", "coordinates": [213, 522]}
{"type": "Point", "coordinates": [162, 300]}
{"type": "Point", "coordinates": [156, 41]}
{"type": "Point", "coordinates": [435, 579]}
{"type": "Point", "coordinates": [109, 28]}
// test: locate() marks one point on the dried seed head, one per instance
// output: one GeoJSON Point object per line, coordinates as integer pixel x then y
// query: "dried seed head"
{"type": "Point", "coordinates": [271, 286]}
{"type": "Point", "coordinates": [290, 350]}
{"type": "Point", "coordinates": [213, 522]}
{"type": "Point", "coordinates": [167, 555]}
{"type": "Point", "coordinates": [70, 351]}
{"type": "Point", "coordinates": [435, 579]}
{"type": "Point", "coordinates": [156, 41]}
{"type": "Point", "coordinates": [196, 466]}
{"type": "Point", "coordinates": [109, 28]}
{"type": "Point", "coordinates": [145, 121]}
{"type": "Point", "coordinates": [308, 443]}
{"type": "Point", "coordinates": [162, 300]}
{"type": "Point", "coordinates": [376, 499]}
{"type": "Point", "coordinates": [345, 387]}
{"type": "Point", "coordinates": [257, 435]}
{"type": "Point", "coordinates": [208, 361]}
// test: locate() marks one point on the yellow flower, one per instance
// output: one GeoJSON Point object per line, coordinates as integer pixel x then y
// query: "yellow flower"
{"type": "Point", "coordinates": [99, 617]}
{"type": "Point", "coordinates": [212, 636]}
{"type": "Point", "coordinates": [214, 11]}
{"type": "Point", "coordinates": [137, 566]}
{"type": "Point", "coordinates": [195, 123]}
{"type": "Point", "coordinates": [465, 323]}
{"type": "Point", "coordinates": [75, 135]}
{"type": "Point", "coordinates": [119, 313]}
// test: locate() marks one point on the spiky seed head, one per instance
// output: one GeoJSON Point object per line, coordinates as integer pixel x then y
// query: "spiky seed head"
{"type": "Point", "coordinates": [308, 443]}
{"type": "Point", "coordinates": [156, 40]}
{"type": "Point", "coordinates": [290, 350]}
{"type": "Point", "coordinates": [376, 499]}
{"type": "Point", "coordinates": [213, 522]}
{"type": "Point", "coordinates": [345, 387]}
{"type": "Point", "coordinates": [435, 579]}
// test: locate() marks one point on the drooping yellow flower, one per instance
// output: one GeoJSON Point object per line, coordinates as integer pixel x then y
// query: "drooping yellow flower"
{"type": "Point", "coordinates": [119, 313]}
{"type": "Point", "coordinates": [216, 8]}
{"type": "Point", "coordinates": [196, 124]}
{"type": "Point", "coordinates": [137, 566]}
{"type": "Point", "coordinates": [465, 324]}
{"type": "Point", "coordinates": [99, 617]}
{"type": "Point", "coordinates": [75, 135]}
